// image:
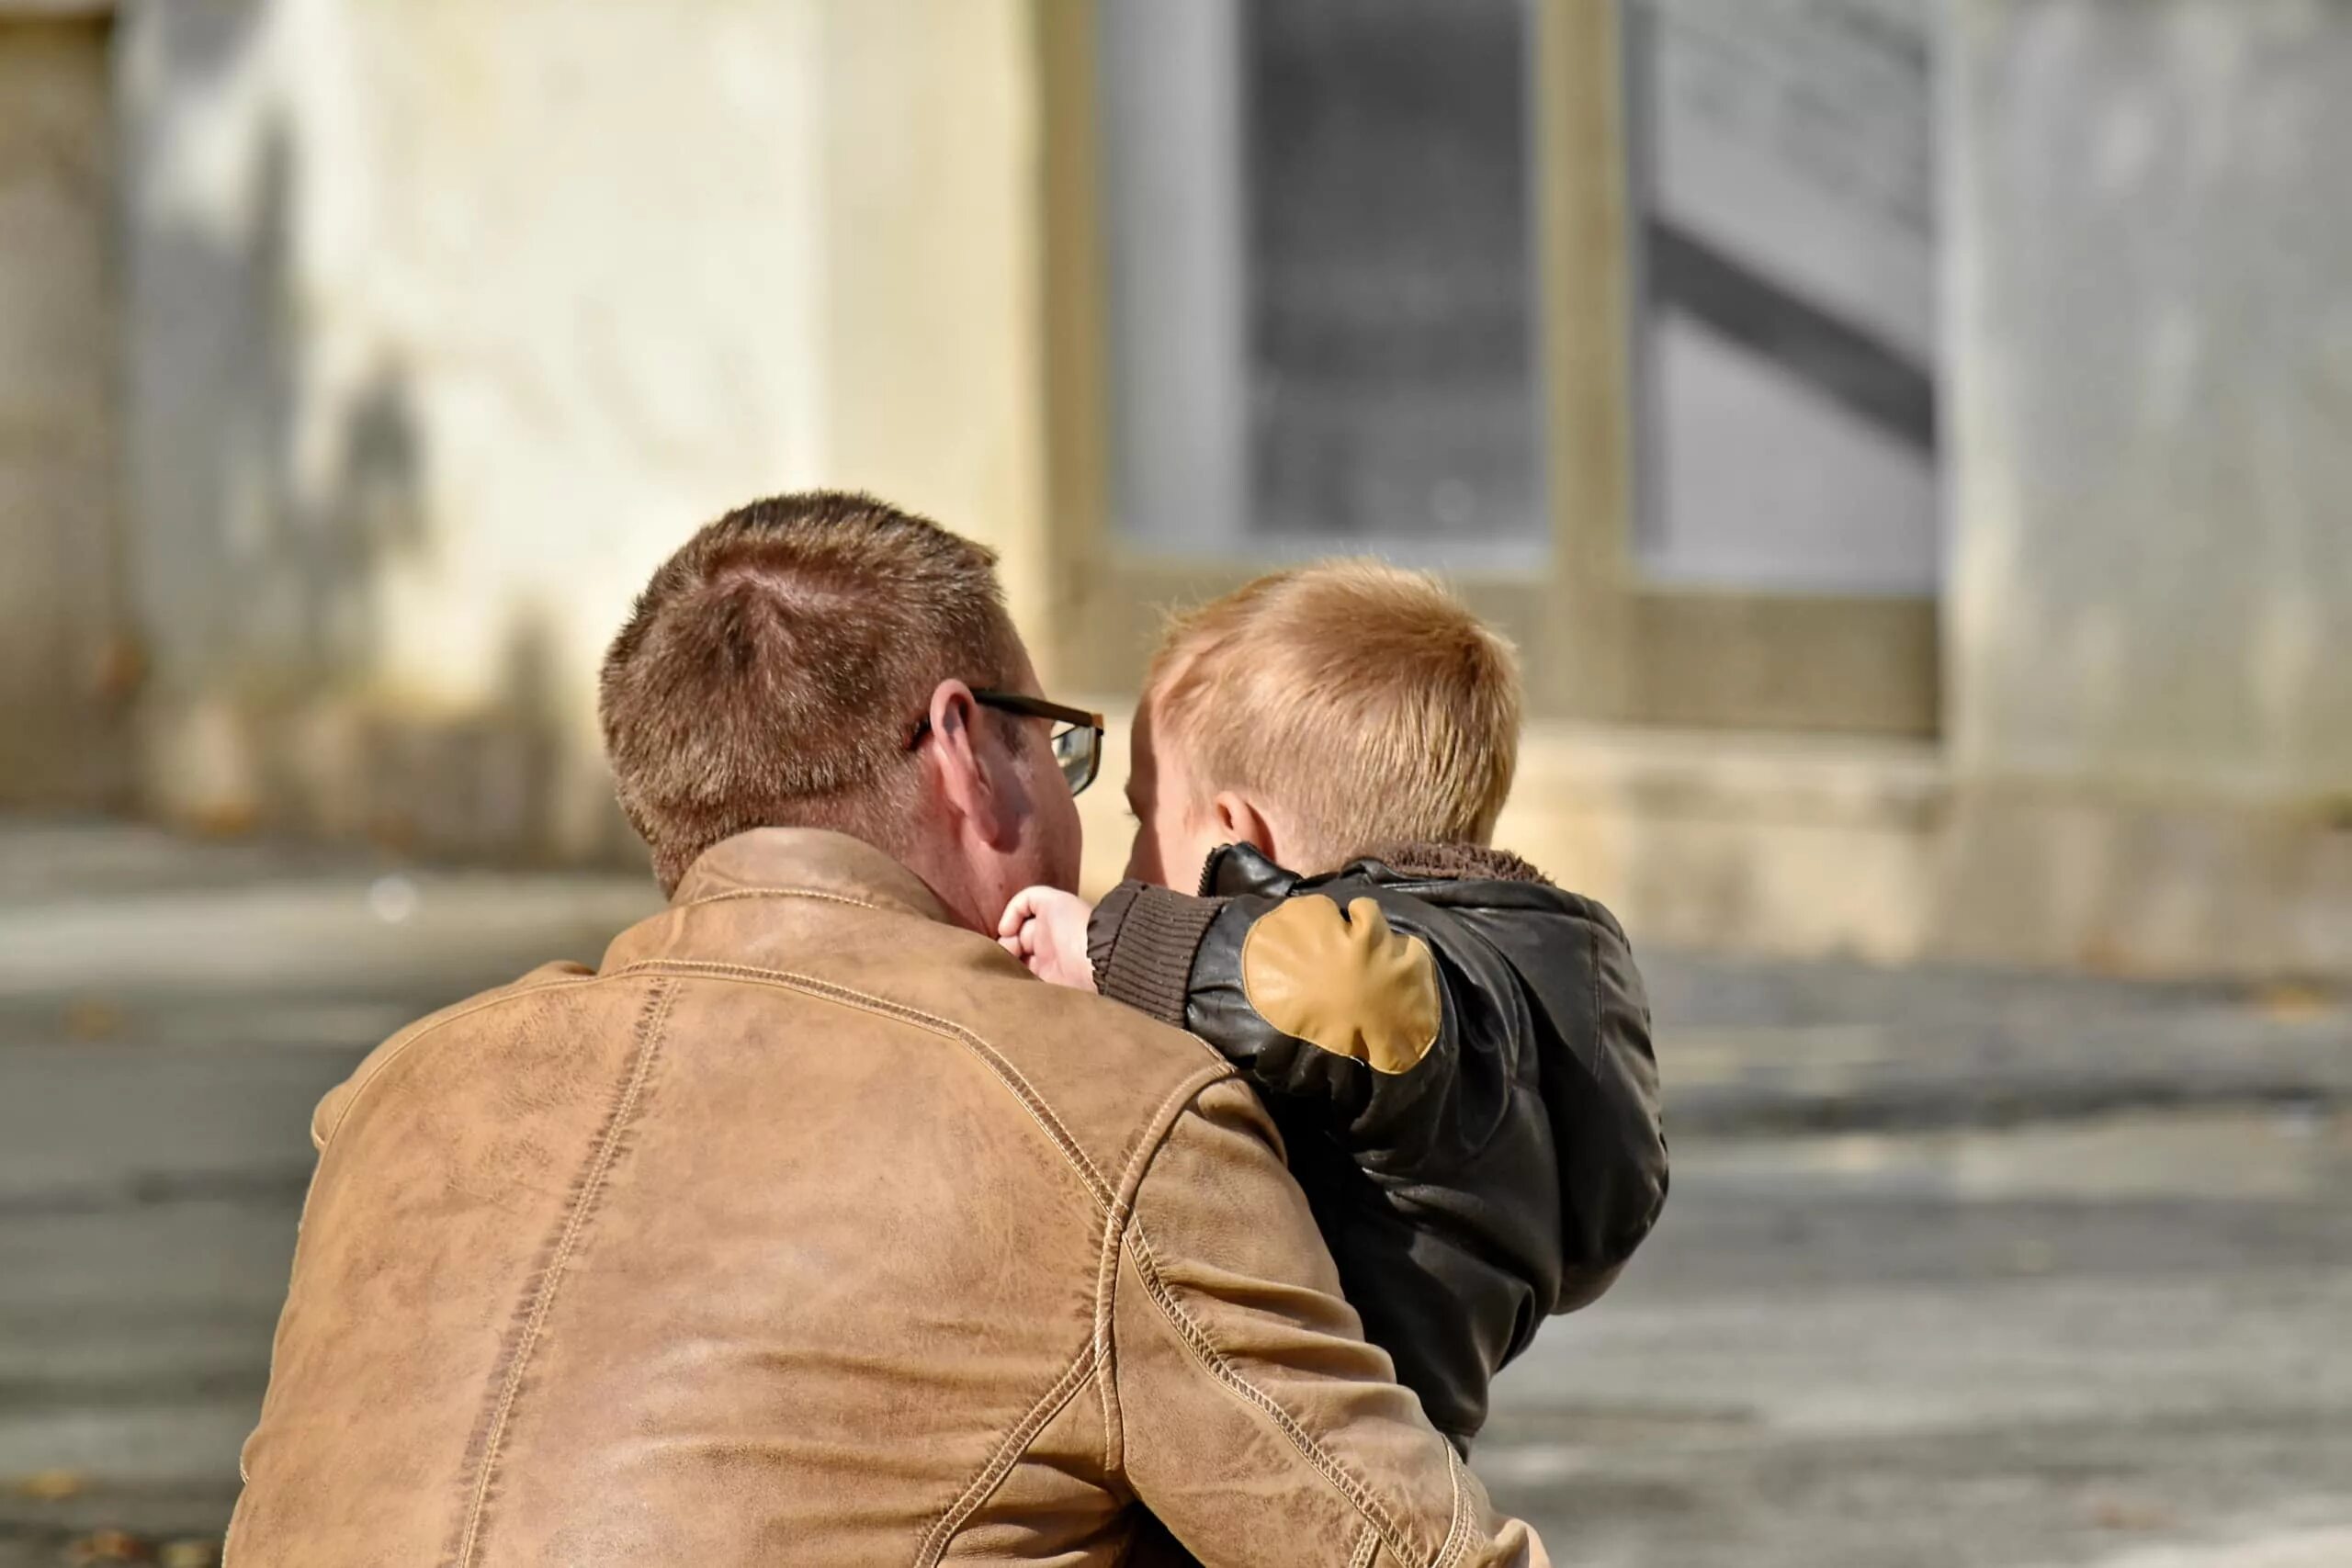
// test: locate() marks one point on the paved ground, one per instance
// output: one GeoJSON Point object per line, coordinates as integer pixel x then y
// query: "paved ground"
{"type": "Point", "coordinates": [1960, 1269]}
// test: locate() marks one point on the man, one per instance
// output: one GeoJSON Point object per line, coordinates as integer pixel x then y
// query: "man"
{"type": "Point", "coordinates": [809, 1227]}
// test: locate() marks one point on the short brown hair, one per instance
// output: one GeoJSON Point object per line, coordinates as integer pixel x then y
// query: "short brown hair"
{"type": "Point", "coordinates": [776, 666]}
{"type": "Point", "coordinates": [1365, 700]}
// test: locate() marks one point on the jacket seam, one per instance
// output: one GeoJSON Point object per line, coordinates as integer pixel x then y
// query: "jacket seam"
{"type": "Point", "coordinates": [1118, 937]}
{"type": "Point", "coordinates": [650, 1023]}
{"type": "Point", "coordinates": [1456, 1537]}
{"type": "Point", "coordinates": [818, 892]}
{"type": "Point", "coordinates": [1007, 1454]}
{"type": "Point", "coordinates": [399, 1045]}
{"type": "Point", "coordinates": [1007, 1075]}
{"type": "Point", "coordinates": [1595, 967]}
{"type": "Point", "coordinates": [1367, 1550]}
{"type": "Point", "coordinates": [1212, 1360]}
{"type": "Point", "coordinates": [1106, 1278]}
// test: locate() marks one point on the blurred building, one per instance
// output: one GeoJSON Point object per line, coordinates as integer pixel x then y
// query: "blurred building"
{"type": "Point", "coordinates": [1911, 440]}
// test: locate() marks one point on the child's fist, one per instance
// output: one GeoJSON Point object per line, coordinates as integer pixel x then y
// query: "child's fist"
{"type": "Point", "coordinates": [1046, 929]}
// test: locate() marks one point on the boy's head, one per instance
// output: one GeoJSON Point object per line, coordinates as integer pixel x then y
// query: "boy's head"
{"type": "Point", "coordinates": [1317, 712]}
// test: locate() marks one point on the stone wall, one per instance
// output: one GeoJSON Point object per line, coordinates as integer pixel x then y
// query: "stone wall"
{"type": "Point", "coordinates": [64, 667]}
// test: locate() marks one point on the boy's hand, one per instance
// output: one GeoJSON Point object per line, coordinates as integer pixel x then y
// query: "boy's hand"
{"type": "Point", "coordinates": [1046, 929]}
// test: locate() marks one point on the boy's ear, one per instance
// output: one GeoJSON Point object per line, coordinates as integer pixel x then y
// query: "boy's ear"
{"type": "Point", "coordinates": [1238, 821]}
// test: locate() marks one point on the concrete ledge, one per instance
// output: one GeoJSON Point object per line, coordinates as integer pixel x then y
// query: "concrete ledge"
{"type": "Point", "coordinates": [1783, 846]}
{"type": "Point", "coordinates": [1822, 780]}
{"type": "Point", "coordinates": [1745, 844]}
{"type": "Point", "coordinates": [1811, 846]}
{"type": "Point", "coordinates": [1806, 847]}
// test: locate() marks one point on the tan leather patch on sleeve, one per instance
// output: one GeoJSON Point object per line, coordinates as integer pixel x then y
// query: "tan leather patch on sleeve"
{"type": "Point", "coordinates": [1344, 982]}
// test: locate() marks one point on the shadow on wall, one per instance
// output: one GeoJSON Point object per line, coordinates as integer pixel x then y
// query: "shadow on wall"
{"type": "Point", "coordinates": [270, 503]}
{"type": "Point", "coordinates": [65, 666]}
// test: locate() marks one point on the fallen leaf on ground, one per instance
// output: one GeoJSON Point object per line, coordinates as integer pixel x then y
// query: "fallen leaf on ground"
{"type": "Point", "coordinates": [2132, 1514]}
{"type": "Point", "coordinates": [54, 1486]}
{"type": "Point", "coordinates": [2289, 1002]}
{"type": "Point", "coordinates": [92, 1020]}
{"type": "Point", "coordinates": [107, 1546]}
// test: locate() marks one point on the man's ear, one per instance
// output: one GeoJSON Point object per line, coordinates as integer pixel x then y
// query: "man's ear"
{"type": "Point", "coordinates": [966, 783]}
{"type": "Point", "coordinates": [979, 776]}
{"type": "Point", "coordinates": [1238, 821]}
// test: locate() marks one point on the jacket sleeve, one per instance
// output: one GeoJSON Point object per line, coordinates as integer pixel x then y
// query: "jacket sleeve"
{"type": "Point", "coordinates": [1316, 993]}
{"type": "Point", "coordinates": [1250, 1415]}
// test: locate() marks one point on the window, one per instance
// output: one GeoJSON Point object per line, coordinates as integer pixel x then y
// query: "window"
{"type": "Point", "coordinates": [1621, 312]}
{"type": "Point", "coordinates": [1321, 286]}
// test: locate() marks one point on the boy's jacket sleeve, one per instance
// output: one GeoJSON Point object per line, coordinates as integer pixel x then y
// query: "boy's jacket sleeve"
{"type": "Point", "coordinates": [1460, 1065]}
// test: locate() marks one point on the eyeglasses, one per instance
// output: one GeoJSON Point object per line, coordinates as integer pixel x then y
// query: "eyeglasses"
{"type": "Point", "coordinates": [1077, 739]}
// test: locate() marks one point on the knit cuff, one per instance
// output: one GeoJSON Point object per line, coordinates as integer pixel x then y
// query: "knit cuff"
{"type": "Point", "coordinates": [1142, 942]}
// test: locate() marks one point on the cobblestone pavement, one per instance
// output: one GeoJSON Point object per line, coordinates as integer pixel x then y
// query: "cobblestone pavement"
{"type": "Point", "coordinates": [1960, 1269]}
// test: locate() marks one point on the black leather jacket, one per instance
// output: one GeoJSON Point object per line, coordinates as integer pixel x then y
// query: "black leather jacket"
{"type": "Point", "coordinates": [1458, 1055]}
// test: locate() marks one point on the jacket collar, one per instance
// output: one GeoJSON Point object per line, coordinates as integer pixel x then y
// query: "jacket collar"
{"type": "Point", "coordinates": [806, 860]}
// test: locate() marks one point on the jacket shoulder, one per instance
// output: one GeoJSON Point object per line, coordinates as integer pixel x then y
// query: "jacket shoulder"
{"type": "Point", "coordinates": [1107, 1071]}
{"type": "Point", "coordinates": [1086, 1068]}
{"type": "Point", "coordinates": [338, 1100]}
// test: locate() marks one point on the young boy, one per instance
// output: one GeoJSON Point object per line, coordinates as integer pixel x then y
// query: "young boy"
{"type": "Point", "coordinates": [1455, 1051]}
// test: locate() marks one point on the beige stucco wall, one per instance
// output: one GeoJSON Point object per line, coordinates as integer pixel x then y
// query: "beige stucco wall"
{"type": "Point", "coordinates": [449, 319]}
{"type": "Point", "coordinates": [2150, 233]}
{"type": "Point", "coordinates": [2149, 344]}
{"type": "Point", "coordinates": [63, 669]}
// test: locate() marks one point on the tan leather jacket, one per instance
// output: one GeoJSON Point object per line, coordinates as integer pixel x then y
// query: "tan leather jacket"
{"type": "Point", "coordinates": [811, 1229]}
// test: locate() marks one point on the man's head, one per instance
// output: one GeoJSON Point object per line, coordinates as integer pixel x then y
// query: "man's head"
{"type": "Point", "coordinates": [809, 660]}
{"type": "Point", "coordinates": [1317, 712]}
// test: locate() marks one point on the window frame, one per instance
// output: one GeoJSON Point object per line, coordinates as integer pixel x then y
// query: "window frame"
{"type": "Point", "coordinates": [1599, 643]}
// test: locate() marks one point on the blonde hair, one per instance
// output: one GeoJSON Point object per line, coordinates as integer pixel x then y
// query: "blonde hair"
{"type": "Point", "coordinates": [1365, 702]}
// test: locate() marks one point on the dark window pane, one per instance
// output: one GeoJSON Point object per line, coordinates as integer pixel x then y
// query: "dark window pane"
{"type": "Point", "coordinates": [1392, 323]}
{"type": "Point", "coordinates": [1322, 293]}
